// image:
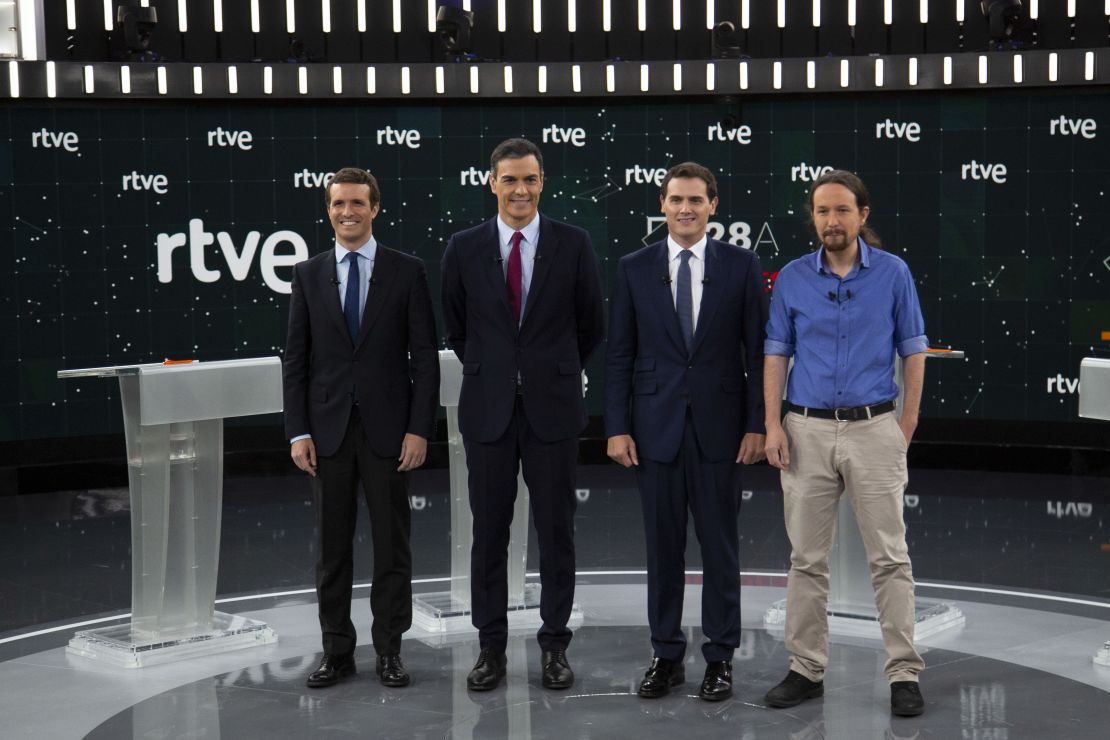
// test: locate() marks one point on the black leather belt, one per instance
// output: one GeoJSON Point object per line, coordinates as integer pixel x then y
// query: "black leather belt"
{"type": "Point", "coordinates": [856, 413]}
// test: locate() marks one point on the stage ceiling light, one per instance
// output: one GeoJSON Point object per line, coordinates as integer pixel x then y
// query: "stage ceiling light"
{"type": "Point", "coordinates": [454, 26]}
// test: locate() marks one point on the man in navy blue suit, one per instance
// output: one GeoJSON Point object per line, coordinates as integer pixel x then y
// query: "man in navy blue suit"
{"type": "Point", "coordinates": [523, 310]}
{"type": "Point", "coordinates": [684, 404]}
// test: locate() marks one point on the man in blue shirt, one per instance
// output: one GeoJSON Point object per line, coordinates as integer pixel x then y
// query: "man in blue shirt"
{"type": "Point", "coordinates": [842, 313]}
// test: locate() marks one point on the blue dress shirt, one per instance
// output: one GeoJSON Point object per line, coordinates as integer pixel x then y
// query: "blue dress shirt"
{"type": "Point", "coordinates": [843, 332]}
{"type": "Point", "coordinates": [366, 253]}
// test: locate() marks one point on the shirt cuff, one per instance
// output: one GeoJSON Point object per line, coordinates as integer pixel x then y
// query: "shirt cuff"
{"type": "Point", "coordinates": [299, 437]}
{"type": "Point", "coordinates": [913, 346]}
{"type": "Point", "coordinates": [771, 347]}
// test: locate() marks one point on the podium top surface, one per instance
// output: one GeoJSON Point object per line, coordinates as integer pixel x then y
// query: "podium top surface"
{"type": "Point", "coordinates": [1094, 388]}
{"type": "Point", "coordinates": [163, 367]}
{"type": "Point", "coordinates": [195, 391]}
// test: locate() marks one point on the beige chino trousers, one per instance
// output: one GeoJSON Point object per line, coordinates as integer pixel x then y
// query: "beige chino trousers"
{"type": "Point", "coordinates": [866, 460]}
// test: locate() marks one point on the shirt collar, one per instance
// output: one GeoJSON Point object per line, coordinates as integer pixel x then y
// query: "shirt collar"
{"type": "Point", "coordinates": [818, 257]}
{"type": "Point", "coordinates": [531, 232]}
{"type": "Point", "coordinates": [369, 250]}
{"type": "Point", "coordinates": [698, 250]}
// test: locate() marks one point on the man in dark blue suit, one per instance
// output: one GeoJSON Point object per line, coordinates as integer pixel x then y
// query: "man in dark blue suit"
{"type": "Point", "coordinates": [684, 403]}
{"type": "Point", "coordinates": [361, 385]}
{"type": "Point", "coordinates": [523, 310]}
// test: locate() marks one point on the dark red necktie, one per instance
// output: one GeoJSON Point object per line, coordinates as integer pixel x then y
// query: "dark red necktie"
{"type": "Point", "coordinates": [512, 277]}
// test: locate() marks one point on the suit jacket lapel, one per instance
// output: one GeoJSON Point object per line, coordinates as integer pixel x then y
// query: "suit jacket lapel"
{"type": "Point", "coordinates": [327, 278]}
{"type": "Point", "coordinates": [382, 283]}
{"type": "Point", "coordinates": [545, 255]}
{"type": "Point", "coordinates": [489, 252]}
{"type": "Point", "coordinates": [659, 275]}
{"type": "Point", "coordinates": [711, 289]}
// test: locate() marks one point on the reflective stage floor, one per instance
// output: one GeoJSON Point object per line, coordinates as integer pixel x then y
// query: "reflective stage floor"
{"type": "Point", "coordinates": [1024, 557]}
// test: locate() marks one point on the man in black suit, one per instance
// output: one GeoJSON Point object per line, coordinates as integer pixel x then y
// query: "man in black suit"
{"type": "Point", "coordinates": [684, 403]}
{"type": "Point", "coordinates": [361, 379]}
{"type": "Point", "coordinates": [523, 311]}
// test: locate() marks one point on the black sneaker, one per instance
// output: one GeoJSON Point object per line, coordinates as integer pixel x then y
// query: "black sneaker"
{"type": "Point", "coordinates": [793, 690]}
{"type": "Point", "coordinates": [906, 699]}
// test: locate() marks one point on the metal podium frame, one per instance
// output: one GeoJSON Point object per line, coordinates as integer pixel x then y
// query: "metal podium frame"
{"type": "Point", "coordinates": [851, 606]}
{"type": "Point", "coordinates": [1094, 403]}
{"type": "Point", "coordinates": [448, 612]}
{"type": "Point", "coordinates": [173, 422]}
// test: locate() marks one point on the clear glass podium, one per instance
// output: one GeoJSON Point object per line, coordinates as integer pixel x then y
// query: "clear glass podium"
{"type": "Point", "coordinates": [1094, 403]}
{"type": "Point", "coordinates": [851, 607]}
{"type": "Point", "coordinates": [173, 422]}
{"type": "Point", "coordinates": [448, 612]}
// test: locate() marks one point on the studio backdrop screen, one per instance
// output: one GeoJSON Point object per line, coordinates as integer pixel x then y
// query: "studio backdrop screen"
{"type": "Point", "coordinates": [135, 233]}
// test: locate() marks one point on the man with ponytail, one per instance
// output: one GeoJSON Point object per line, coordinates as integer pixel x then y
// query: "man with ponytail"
{"type": "Point", "coordinates": [843, 312]}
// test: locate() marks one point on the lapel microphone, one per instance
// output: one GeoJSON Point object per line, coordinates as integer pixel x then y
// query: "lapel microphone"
{"type": "Point", "coordinates": [537, 258]}
{"type": "Point", "coordinates": [335, 281]}
{"type": "Point", "coordinates": [498, 260]}
{"type": "Point", "coordinates": [667, 279]}
{"type": "Point", "coordinates": [832, 296]}
{"type": "Point", "coordinates": [373, 281]}
{"type": "Point", "coordinates": [705, 281]}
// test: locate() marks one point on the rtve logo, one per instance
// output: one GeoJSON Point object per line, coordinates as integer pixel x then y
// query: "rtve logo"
{"type": "Point", "coordinates": [639, 174]}
{"type": "Point", "coordinates": [1069, 386]}
{"type": "Point", "coordinates": [473, 176]}
{"type": "Point", "coordinates": [1064, 126]}
{"type": "Point", "coordinates": [985, 171]}
{"type": "Point", "coordinates": [311, 180]}
{"type": "Point", "coordinates": [889, 129]}
{"type": "Point", "coordinates": [805, 173]}
{"type": "Point", "coordinates": [399, 137]}
{"type": "Point", "coordinates": [555, 134]}
{"type": "Point", "coordinates": [243, 140]}
{"type": "Point", "coordinates": [139, 181]}
{"type": "Point", "coordinates": [740, 134]}
{"type": "Point", "coordinates": [47, 139]}
{"type": "Point", "coordinates": [239, 260]}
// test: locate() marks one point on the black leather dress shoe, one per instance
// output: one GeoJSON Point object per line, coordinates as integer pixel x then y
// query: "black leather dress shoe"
{"type": "Point", "coordinates": [487, 672]}
{"type": "Point", "coordinates": [906, 699]}
{"type": "Point", "coordinates": [717, 684]}
{"type": "Point", "coordinates": [391, 671]}
{"type": "Point", "coordinates": [793, 690]}
{"type": "Point", "coordinates": [331, 669]}
{"type": "Point", "coordinates": [556, 670]}
{"type": "Point", "coordinates": [662, 675]}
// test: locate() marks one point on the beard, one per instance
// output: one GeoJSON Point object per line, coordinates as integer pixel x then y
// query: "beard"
{"type": "Point", "coordinates": [836, 241]}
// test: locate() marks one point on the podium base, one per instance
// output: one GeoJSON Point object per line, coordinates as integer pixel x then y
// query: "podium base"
{"type": "Point", "coordinates": [863, 621]}
{"type": "Point", "coordinates": [1102, 657]}
{"type": "Point", "coordinates": [439, 613]}
{"type": "Point", "coordinates": [124, 647]}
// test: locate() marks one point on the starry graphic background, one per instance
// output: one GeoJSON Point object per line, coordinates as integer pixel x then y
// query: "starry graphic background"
{"type": "Point", "coordinates": [1016, 274]}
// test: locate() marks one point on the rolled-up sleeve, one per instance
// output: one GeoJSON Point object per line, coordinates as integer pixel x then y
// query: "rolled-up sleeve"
{"type": "Point", "coordinates": [909, 324]}
{"type": "Point", "coordinates": [780, 329]}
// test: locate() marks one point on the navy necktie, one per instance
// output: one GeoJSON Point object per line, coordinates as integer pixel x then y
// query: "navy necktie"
{"type": "Point", "coordinates": [684, 300]}
{"type": "Point", "coordinates": [350, 302]}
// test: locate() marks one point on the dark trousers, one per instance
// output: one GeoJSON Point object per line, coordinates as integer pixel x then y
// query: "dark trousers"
{"type": "Point", "coordinates": [711, 492]}
{"type": "Point", "coordinates": [386, 491]}
{"type": "Point", "coordinates": [549, 469]}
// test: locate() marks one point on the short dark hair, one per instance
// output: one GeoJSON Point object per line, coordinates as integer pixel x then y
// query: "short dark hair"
{"type": "Point", "coordinates": [355, 176]}
{"type": "Point", "coordinates": [851, 181]}
{"type": "Point", "coordinates": [690, 169]}
{"type": "Point", "coordinates": [514, 149]}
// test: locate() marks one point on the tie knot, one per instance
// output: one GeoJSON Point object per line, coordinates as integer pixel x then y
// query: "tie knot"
{"type": "Point", "coordinates": [351, 257]}
{"type": "Point", "coordinates": [517, 238]}
{"type": "Point", "coordinates": [685, 255]}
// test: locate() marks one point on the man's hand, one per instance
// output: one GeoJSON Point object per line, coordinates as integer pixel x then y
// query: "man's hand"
{"type": "Point", "coordinates": [751, 448]}
{"type": "Point", "coordinates": [777, 447]}
{"type": "Point", "coordinates": [303, 453]}
{"type": "Point", "coordinates": [414, 449]}
{"type": "Point", "coordinates": [908, 425]}
{"type": "Point", "coordinates": [622, 449]}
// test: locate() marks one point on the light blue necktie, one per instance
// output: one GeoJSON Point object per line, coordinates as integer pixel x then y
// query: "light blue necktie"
{"type": "Point", "coordinates": [684, 300]}
{"type": "Point", "coordinates": [350, 302]}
